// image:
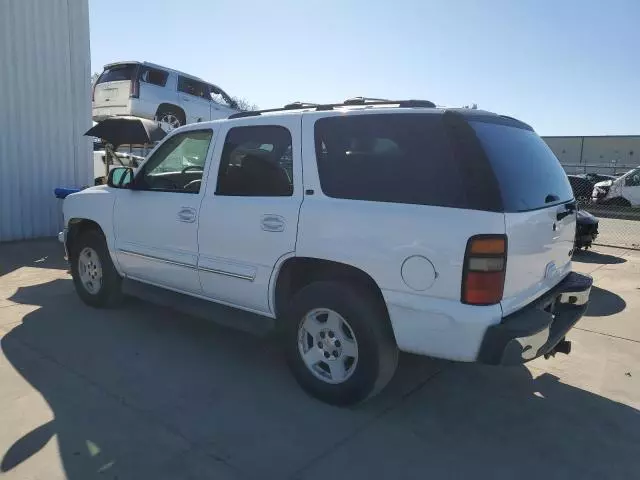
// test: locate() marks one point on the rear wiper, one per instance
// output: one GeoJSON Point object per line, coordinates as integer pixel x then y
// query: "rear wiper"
{"type": "Point", "coordinates": [551, 198]}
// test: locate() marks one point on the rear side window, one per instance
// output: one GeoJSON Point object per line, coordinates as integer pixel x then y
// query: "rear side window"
{"type": "Point", "coordinates": [117, 73]}
{"type": "Point", "coordinates": [399, 158]}
{"type": "Point", "coordinates": [256, 162]}
{"type": "Point", "coordinates": [154, 76]}
{"type": "Point", "coordinates": [528, 173]}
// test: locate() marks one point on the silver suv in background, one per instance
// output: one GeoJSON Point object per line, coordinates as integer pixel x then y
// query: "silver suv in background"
{"type": "Point", "coordinates": [151, 91]}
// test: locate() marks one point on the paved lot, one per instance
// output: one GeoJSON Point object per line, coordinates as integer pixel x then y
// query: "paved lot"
{"type": "Point", "coordinates": [618, 232]}
{"type": "Point", "coordinates": [142, 392]}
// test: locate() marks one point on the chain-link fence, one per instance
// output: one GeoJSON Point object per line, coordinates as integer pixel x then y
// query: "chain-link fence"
{"type": "Point", "coordinates": [612, 194]}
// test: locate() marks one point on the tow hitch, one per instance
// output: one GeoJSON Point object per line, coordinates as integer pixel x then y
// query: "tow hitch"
{"type": "Point", "coordinates": [563, 346]}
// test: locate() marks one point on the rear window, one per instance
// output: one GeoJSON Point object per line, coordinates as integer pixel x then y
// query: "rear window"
{"type": "Point", "coordinates": [528, 173]}
{"type": "Point", "coordinates": [399, 158]}
{"type": "Point", "coordinates": [117, 73]}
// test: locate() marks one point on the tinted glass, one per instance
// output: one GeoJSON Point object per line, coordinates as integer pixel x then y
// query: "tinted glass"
{"type": "Point", "coordinates": [528, 173]}
{"type": "Point", "coordinates": [117, 73]}
{"type": "Point", "coordinates": [256, 162]}
{"type": "Point", "coordinates": [400, 158]}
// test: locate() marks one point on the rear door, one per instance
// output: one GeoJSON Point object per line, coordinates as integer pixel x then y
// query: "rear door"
{"type": "Point", "coordinates": [249, 215]}
{"type": "Point", "coordinates": [195, 99]}
{"type": "Point", "coordinates": [113, 86]}
{"type": "Point", "coordinates": [539, 208]}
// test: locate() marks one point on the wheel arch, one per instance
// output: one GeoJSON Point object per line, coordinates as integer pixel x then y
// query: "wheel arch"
{"type": "Point", "coordinates": [172, 106]}
{"type": "Point", "coordinates": [294, 273]}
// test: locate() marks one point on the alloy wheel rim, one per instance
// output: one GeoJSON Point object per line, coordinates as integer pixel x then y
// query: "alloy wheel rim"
{"type": "Point", "coordinates": [90, 270]}
{"type": "Point", "coordinates": [327, 345]}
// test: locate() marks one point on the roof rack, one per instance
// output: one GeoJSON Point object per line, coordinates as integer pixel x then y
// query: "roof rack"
{"type": "Point", "coordinates": [355, 101]}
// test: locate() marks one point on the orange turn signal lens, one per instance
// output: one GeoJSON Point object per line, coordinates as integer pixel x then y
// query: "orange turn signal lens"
{"type": "Point", "coordinates": [488, 246]}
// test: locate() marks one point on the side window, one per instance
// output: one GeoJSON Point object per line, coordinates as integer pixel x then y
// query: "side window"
{"type": "Point", "coordinates": [154, 76]}
{"type": "Point", "coordinates": [256, 162]}
{"type": "Point", "coordinates": [398, 158]}
{"type": "Point", "coordinates": [633, 179]}
{"type": "Point", "coordinates": [194, 87]}
{"type": "Point", "coordinates": [178, 164]}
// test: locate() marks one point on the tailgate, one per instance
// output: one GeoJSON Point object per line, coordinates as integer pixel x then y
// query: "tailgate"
{"type": "Point", "coordinates": [540, 244]}
{"type": "Point", "coordinates": [538, 205]}
{"type": "Point", "coordinates": [112, 94]}
{"type": "Point", "coordinates": [113, 86]}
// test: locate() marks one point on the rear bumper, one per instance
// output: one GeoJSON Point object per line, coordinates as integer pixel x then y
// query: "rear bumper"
{"type": "Point", "coordinates": [536, 329]}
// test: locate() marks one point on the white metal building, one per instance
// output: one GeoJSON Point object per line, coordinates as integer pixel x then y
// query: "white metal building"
{"type": "Point", "coordinates": [596, 154]}
{"type": "Point", "coordinates": [45, 99]}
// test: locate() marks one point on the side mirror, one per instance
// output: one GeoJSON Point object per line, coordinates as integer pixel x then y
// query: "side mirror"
{"type": "Point", "coordinates": [120, 177]}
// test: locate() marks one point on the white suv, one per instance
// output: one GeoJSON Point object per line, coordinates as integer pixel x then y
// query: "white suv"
{"type": "Point", "coordinates": [145, 90]}
{"type": "Point", "coordinates": [363, 228]}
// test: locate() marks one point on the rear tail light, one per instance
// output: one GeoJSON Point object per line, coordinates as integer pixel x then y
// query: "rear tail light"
{"type": "Point", "coordinates": [134, 88]}
{"type": "Point", "coordinates": [485, 261]}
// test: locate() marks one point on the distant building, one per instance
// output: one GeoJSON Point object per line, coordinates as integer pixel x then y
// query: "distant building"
{"type": "Point", "coordinates": [45, 94]}
{"type": "Point", "coordinates": [599, 154]}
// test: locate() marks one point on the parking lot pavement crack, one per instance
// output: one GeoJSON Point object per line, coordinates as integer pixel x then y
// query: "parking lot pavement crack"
{"type": "Point", "coordinates": [607, 335]}
{"type": "Point", "coordinates": [298, 473]}
{"type": "Point", "coordinates": [146, 414]}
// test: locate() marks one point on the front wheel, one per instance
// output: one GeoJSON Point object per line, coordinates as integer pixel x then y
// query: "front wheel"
{"type": "Point", "coordinates": [96, 279]}
{"type": "Point", "coordinates": [338, 342]}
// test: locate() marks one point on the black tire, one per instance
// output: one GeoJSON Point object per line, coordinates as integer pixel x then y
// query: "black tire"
{"type": "Point", "coordinates": [110, 290]}
{"type": "Point", "coordinates": [166, 111]}
{"type": "Point", "coordinates": [377, 350]}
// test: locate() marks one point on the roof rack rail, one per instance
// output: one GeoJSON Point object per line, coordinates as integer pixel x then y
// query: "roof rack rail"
{"type": "Point", "coordinates": [356, 101]}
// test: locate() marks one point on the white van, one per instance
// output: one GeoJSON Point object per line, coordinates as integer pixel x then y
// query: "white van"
{"type": "Point", "coordinates": [151, 91]}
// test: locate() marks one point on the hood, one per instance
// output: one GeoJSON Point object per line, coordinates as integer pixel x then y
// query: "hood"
{"type": "Point", "coordinates": [605, 183]}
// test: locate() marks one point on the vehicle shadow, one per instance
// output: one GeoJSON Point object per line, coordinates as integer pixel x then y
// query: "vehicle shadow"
{"type": "Point", "coordinates": [144, 392]}
{"type": "Point", "coordinates": [38, 253]}
{"type": "Point", "coordinates": [603, 303]}
{"type": "Point", "coordinates": [589, 256]}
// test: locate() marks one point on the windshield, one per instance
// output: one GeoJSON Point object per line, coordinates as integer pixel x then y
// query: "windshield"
{"type": "Point", "coordinates": [529, 174]}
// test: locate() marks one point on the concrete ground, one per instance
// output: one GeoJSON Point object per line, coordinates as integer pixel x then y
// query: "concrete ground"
{"type": "Point", "coordinates": [145, 393]}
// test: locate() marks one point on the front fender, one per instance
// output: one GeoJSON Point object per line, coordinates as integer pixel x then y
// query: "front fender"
{"type": "Point", "coordinates": [94, 204]}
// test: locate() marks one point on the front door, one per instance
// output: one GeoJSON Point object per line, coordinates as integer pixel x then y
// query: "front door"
{"type": "Point", "coordinates": [156, 222]}
{"type": "Point", "coordinates": [249, 217]}
{"type": "Point", "coordinates": [631, 188]}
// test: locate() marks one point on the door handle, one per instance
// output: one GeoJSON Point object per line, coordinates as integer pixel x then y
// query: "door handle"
{"type": "Point", "coordinates": [187, 215]}
{"type": "Point", "coordinates": [272, 223]}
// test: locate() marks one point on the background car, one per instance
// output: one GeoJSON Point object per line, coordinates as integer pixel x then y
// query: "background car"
{"type": "Point", "coordinates": [582, 188]}
{"type": "Point", "coordinates": [623, 191]}
{"type": "Point", "coordinates": [145, 90]}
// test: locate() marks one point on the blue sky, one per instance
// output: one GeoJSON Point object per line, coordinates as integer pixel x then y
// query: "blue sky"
{"type": "Point", "coordinates": [566, 67]}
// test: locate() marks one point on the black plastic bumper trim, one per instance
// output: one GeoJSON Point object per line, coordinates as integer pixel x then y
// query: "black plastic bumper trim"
{"type": "Point", "coordinates": [545, 321]}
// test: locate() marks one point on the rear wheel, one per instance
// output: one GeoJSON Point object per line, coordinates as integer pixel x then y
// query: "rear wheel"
{"type": "Point", "coordinates": [95, 277]}
{"type": "Point", "coordinates": [338, 342]}
{"type": "Point", "coordinates": [170, 118]}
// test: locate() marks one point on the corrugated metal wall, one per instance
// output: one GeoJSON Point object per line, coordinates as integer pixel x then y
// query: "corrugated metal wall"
{"type": "Point", "coordinates": [45, 107]}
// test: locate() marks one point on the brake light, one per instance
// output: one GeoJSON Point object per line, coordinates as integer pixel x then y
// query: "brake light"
{"type": "Point", "coordinates": [134, 88]}
{"type": "Point", "coordinates": [485, 262]}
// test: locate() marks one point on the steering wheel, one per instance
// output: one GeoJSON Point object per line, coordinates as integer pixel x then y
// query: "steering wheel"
{"type": "Point", "coordinates": [191, 167]}
{"type": "Point", "coordinates": [193, 186]}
